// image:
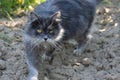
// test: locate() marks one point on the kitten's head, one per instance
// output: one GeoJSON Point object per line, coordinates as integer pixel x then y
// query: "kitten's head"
{"type": "Point", "coordinates": [41, 30]}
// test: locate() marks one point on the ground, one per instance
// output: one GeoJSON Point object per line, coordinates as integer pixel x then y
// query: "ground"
{"type": "Point", "coordinates": [100, 61]}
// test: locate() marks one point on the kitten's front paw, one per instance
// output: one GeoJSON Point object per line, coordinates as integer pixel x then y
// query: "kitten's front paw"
{"type": "Point", "coordinates": [33, 78]}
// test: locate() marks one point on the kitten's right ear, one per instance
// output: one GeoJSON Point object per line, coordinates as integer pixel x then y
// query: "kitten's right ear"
{"type": "Point", "coordinates": [56, 16]}
{"type": "Point", "coordinates": [33, 16]}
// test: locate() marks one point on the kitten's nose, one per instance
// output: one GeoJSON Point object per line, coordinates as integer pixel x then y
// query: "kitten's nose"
{"type": "Point", "coordinates": [45, 38]}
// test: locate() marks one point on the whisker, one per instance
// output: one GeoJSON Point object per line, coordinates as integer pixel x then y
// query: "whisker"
{"type": "Point", "coordinates": [56, 45]}
{"type": "Point", "coordinates": [34, 44]}
{"type": "Point", "coordinates": [51, 44]}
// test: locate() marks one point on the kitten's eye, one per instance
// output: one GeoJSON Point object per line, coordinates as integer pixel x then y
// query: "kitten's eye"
{"type": "Point", "coordinates": [39, 30]}
{"type": "Point", "coordinates": [51, 31]}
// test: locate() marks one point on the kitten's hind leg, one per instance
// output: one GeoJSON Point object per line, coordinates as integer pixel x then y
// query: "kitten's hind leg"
{"type": "Point", "coordinates": [80, 48]}
{"type": "Point", "coordinates": [82, 44]}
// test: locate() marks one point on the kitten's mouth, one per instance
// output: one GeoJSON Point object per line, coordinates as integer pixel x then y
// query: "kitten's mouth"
{"type": "Point", "coordinates": [46, 45]}
{"type": "Point", "coordinates": [48, 50]}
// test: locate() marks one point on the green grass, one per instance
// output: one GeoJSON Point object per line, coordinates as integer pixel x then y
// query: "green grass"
{"type": "Point", "coordinates": [10, 8]}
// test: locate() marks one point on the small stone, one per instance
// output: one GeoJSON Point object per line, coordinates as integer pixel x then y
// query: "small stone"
{"type": "Point", "coordinates": [86, 61]}
{"type": "Point", "coordinates": [46, 78]}
{"type": "Point", "coordinates": [106, 10]}
{"type": "Point", "coordinates": [77, 64]}
{"type": "Point", "coordinates": [78, 67]}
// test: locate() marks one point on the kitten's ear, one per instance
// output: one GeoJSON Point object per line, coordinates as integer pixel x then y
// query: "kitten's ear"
{"type": "Point", "coordinates": [56, 16]}
{"type": "Point", "coordinates": [33, 16]}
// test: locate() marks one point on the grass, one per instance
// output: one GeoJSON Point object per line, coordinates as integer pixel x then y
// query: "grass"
{"type": "Point", "coordinates": [13, 8]}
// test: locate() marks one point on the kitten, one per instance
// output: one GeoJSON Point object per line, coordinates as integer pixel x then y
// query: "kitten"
{"type": "Point", "coordinates": [52, 23]}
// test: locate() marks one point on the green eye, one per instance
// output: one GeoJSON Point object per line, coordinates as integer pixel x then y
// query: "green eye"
{"type": "Point", "coordinates": [39, 30]}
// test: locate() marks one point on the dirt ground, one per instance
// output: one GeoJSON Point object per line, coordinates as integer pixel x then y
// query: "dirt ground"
{"type": "Point", "coordinates": [100, 61]}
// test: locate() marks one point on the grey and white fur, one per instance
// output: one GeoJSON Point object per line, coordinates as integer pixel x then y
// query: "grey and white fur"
{"type": "Point", "coordinates": [52, 23]}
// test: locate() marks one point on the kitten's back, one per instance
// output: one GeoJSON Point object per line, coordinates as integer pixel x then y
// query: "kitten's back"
{"type": "Point", "coordinates": [77, 15]}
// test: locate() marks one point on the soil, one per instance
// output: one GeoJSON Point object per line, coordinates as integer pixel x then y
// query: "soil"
{"type": "Point", "coordinates": [100, 61]}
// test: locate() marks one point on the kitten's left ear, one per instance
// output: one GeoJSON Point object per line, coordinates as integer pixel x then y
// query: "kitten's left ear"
{"type": "Point", "coordinates": [33, 16]}
{"type": "Point", "coordinates": [56, 16]}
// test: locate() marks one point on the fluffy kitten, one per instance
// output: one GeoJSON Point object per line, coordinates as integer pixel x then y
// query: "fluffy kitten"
{"type": "Point", "coordinates": [54, 22]}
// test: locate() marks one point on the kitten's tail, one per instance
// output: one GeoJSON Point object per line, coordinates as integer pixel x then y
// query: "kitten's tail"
{"type": "Point", "coordinates": [96, 2]}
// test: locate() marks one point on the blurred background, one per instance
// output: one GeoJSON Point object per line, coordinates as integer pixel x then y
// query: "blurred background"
{"type": "Point", "coordinates": [13, 8]}
{"type": "Point", "coordinates": [17, 8]}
